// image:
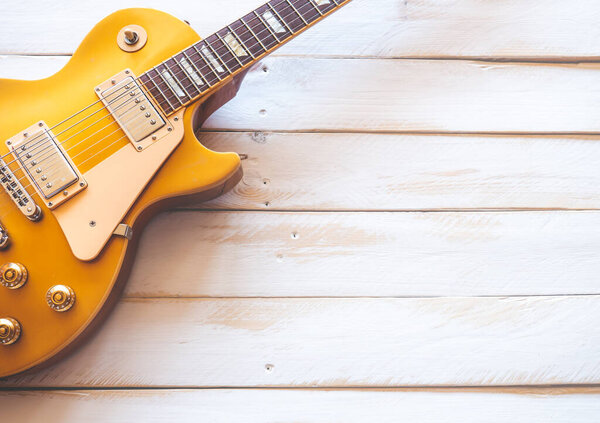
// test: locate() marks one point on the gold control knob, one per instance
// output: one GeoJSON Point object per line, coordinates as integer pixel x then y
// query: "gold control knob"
{"type": "Point", "coordinates": [60, 297]}
{"type": "Point", "coordinates": [13, 275]}
{"type": "Point", "coordinates": [10, 330]}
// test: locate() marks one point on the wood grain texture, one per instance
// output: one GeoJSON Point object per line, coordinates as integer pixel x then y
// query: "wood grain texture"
{"type": "Point", "coordinates": [537, 29]}
{"type": "Point", "coordinates": [398, 172]}
{"type": "Point", "coordinates": [270, 406]}
{"type": "Point", "coordinates": [338, 343]}
{"type": "Point", "coordinates": [374, 95]}
{"type": "Point", "coordinates": [334, 80]}
{"type": "Point", "coordinates": [377, 95]}
{"type": "Point", "coordinates": [192, 254]}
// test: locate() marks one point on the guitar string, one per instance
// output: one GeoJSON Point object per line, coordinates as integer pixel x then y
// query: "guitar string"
{"type": "Point", "coordinates": [119, 129]}
{"type": "Point", "coordinates": [229, 61]}
{"type": "Point", "coordinates": [190, 86]}
{"type": "Point", "coordinates": [50, 145]}
{"type": "Point", "coordinates": [217, 50]}
{"type": "Point", "coordinates": [93, 155]}
{"type": "Point", "coordinates": [225, 62]}
{"type": "Point", "coordinates": [53, 152]}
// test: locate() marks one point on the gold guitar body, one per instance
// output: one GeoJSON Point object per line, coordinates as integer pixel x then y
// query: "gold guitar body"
{"type": "Point", "coordinates": [190, 172]}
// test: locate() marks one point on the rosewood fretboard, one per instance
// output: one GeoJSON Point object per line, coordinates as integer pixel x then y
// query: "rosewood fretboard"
{"type": "Point", "coordinates": [192, 72]}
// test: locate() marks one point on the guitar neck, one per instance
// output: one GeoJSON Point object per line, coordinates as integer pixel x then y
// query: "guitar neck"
{"type": "Point", "coordinates": [208, 64]}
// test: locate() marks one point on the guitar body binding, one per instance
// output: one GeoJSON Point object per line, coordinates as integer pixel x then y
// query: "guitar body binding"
{"type": "Point", "coordinates": [190, 173]}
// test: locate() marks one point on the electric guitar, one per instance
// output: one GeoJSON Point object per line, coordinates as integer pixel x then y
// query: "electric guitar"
{"type": "Point", "coordinates": [91, 153]}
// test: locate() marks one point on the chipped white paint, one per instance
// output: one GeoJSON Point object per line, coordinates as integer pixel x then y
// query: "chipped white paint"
{"type": "Point", "coordinates": [235, 45]}
{"type": "Point", "coordinates": [191, 72]}
{"type": "Point", "coordinates": [273, 22]}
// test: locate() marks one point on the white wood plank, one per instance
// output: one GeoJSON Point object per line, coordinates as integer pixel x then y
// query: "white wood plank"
{"type": "Point", "coordinates": [414, 95]}
{"type": "Point", "coordinates": [420, 28]}
{"type": "Point", "coordinates": [30, 67]}
{"type": "Point", "coordinates": [368, 254]}
{"type": "Point", "coordinates": [338, 342]}
{"type": "Point", "coordinates": [397, 172]}
{"type": "Point", "coordinates": [254, 406]}
{"type": "Point", "coordinates": [402, 95]}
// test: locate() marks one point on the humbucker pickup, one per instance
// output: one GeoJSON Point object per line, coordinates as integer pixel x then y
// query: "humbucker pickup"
{"type": "Point", "coordinates": [46, 164]}
{"type": "Point", "coordinates": [130, 107]}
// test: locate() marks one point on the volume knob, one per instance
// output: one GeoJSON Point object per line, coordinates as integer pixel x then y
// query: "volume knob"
{"type": "Point", "coordinates": [13, 275]}
{"type": "Point", "coordinates": [10, 330]}
{"type": "Point", "coordinates": [60, 297]}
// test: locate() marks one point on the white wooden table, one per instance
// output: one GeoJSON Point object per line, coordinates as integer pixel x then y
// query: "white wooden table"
{"type": "Point", "coordinates": [416, 237]}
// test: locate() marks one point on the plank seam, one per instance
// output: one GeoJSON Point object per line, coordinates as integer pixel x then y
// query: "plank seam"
{"type": "Point", "coordinates": [441, 210]}
{"type": "Point", "coordinates": [550, 389]}
{"type": "Point", "coordinates": [571, 60]}
{"type": "Point", "coordinates": [398, 132]}
{"type": "Point", "coordinates": [138, 298]}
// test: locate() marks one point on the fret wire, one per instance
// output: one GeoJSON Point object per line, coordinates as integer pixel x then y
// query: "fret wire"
{"type": "Point", "coordinates": [220, 59]}
{"type": "Point", "coordinates": [167, 84]}
{"type": "Point", "coordinates": [217, 56]}
{"type": "Point", "coordinates": [157, 86]}
{"type": "Point", "coordinates": [334, 6]}
{"type": "Point", "coordinates": [197, 70]}
{"type": "Point", "coordinates": [210, 66]}
{"type": "Point", "coordinates": [316, 7]}
{"type": "Point", "coordinates": [240, 41]}
{"type": "Point", "coordinates": [254, 35]}
{"type": "Point", "coordinates": [297, 13]}
{"type": "Point", "coordinates": [224, 50]}
{"type": "Point", "coordinates": [176, 80]}
{"type": "Point", "coordinates": [267, 26]}
{"type": "Point", "coordinates": [187, 77]}
{"type": "Point", "coordinates": [205, 65]}
{"type": "Point", "coordinates": [263, 33]}
{"type": "Point", "coordinates": [308, 9]}
{"type": "Point", "coordinates": [295, 21]}
{"type": "Point", "coordinates": [161, 91]}
{"type": "Point", "coordinates": [230, 49]}
{"type": "Point", "coordinates": [279, 16]}
{"type": "Point", "coordinates": [204, 78]}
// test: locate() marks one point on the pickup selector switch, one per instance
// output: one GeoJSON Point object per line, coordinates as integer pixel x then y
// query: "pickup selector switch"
{"type": "Point", "coordinates": [60, 297]}
{"type": "Point", "coordinates": [10, 330]}
{"type": "Point", "coordinates": [13, 275]}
